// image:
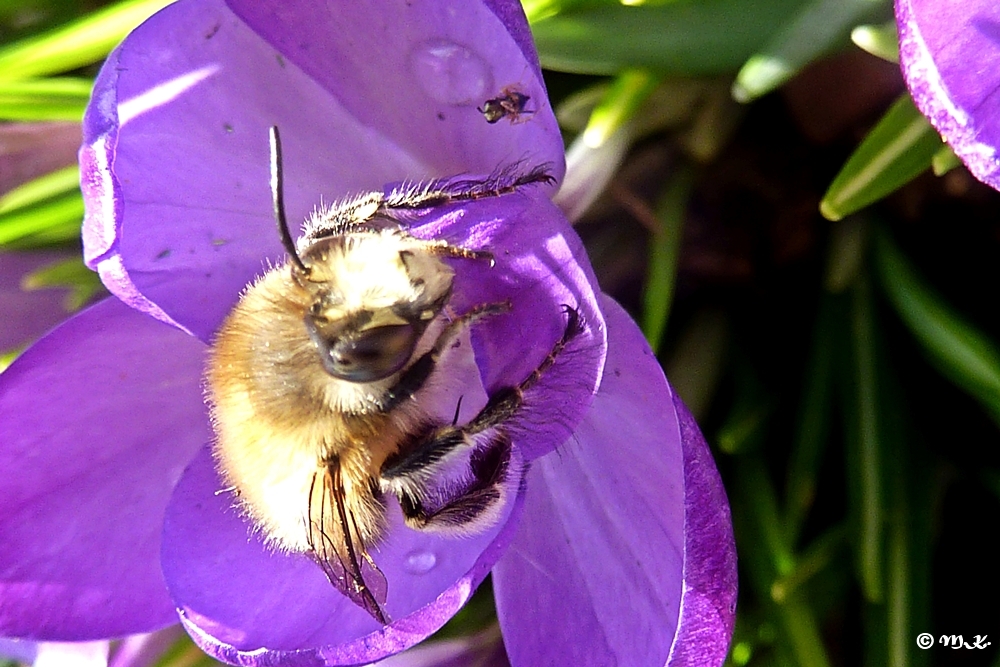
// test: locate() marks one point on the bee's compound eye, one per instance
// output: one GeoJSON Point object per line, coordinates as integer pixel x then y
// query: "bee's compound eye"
{"type": "Point", "coordinates": [370, 355]}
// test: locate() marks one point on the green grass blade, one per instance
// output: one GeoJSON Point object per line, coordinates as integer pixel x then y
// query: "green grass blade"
{"type": "Point", "coordinates": [698, 359]}
{"type": "Point", "coordinates": [882, 41]}
{"type": "Point", "coordinates": [767, 515]}
{"type": "Point", "coordinates": [907, 542]}
{"type": "Point", "coordinates": [664, 252]}
{"type": "Point", "coordinates": [71, 274]}
{"type": "Point", "coordinates": [744, 428]}
{"type": "Point", "coordinates": [823, 550]}
{"type": "Point", "coordinates": [54, 219]}
{"type": "Point", "coordinates": [812, 32]}
{"type": "Point", "coordinates": [62, 98]}
{"type": "Point", "coordinates": [50, 185]}
{"type": "Point", "coordinates": [757, 521]}
{"type": "Point", "coordinates": [865, 458]}
{"type": "Point", "coordinates": [812, 432]}
{"type": "Point", "coordinates": [618, 105]}
{"type": "Point", "coordinates": [79, 43]}
{"type": "Point", "coordinates": [685, 37]}
{"type": "Point", "coordinates": [961, 352]}
{"type": "Point", "coordinates": [869, 440]}
{"type": "Point", "coordinates": [944, 161]}
{"type": "Point", "coordinates": [803, 633]}
{"type": "Point", "coordinates": [898, 149]}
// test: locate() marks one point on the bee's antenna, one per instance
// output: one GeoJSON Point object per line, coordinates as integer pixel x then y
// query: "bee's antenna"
{"type": "Point", "coordinates": [278, 197]}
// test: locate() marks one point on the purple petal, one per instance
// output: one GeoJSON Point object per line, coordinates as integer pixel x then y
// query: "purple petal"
{"type": "Point", "coordinates": [97, 419]}
{"type": "Point", "coordinates": [708, 608]}
{"type": "Point", "coordinates": [947, 50]}
{"type": "Point", "coordinates": [541, 267]}
{"type": "Point", "coordinates": [175, 157]}
{"type": "Point", "coordinates": [244, 603]}
{"type": "Point", "coordinates": [596, 574]}
{"type": "Point", "coordinates": [437, 60]}
{"type": "Point", "coordinates": [27, 314]}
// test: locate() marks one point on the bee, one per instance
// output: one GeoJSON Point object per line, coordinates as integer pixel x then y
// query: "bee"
{"type": "Point", "coordinates": [509, 104]}
{"type": "Point", "coordinates": [322, 380]}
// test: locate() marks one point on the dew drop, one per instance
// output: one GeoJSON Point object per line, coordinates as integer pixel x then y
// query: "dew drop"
{"type": "Point", "coordinates": [450, 73]}
{"type": "Point", "coordinates": [419, 562]}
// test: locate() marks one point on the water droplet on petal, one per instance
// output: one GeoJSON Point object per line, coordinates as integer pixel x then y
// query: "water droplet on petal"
{"type": "Point", "coordinates": [450, 73]}
{"type": "Point", "coordinates": [419, 562]}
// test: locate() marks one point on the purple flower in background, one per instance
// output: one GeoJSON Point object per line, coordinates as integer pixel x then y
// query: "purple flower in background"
{"type": "Point", "coordinates": [950, 54]}
{"type": "Point", "coordinates": [618, 549]}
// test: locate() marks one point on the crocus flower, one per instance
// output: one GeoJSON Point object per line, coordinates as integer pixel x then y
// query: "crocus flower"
{"type": "Point", "coordinates": [950, 55]}
{"type": "Point", "coordinates": [617, 549]}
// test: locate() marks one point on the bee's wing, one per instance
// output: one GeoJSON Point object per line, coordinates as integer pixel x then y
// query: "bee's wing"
{"type": "Point", "coordinates": [343, 555]}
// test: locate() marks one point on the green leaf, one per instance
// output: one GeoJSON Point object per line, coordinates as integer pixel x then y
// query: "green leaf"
{"type": "Point", "coordinates": [744, 428]}
{"type": "Point", "coordinates": [865, 444]}
{"type": "Point", "coordinates": [813, 427]}
{"type": "Point", "coordinates": [698, 359]}
{"type": "Point", "coordinates": [944, 161]}
{"type": "Point", "coordinates": [813, 31]}
{"type": "Point", "coordinates": [908, 498]}
{"type": "Point", "coordinates": [898, 149]}
{"type": "Point", "coordinates": [79, 43]}
{"type": "Point", "coordinates": [815, 558]}
{"type": "Point", "coordinates": [619, 104]}
{"type": "Point", "coordinates": [55, 219]}
{"type": "Point", "coordinates": [960, 351]}
{"type": "Point", "coordinates": [71, 274]}
{"type": "Point", "coordinates": [536, 10]}
{"type": "Point", "coordinates": [686, 37]}
{"type": "Point", "coordinates": [672, 103]}
{"type": "Point", "coordinates": [882, 41]}
{"type": "Point", "coordinates": [755, 484]}
{"type": "Point", "coordinates": [757, 521]}
{"type": "Point", "coordinates": [664, 251]}
{"type": "Point", "coordinates": [50, 185]}
{"type": "Point", "coordinates": [803, 633]}
{"type": "Point", "coordinates": [62, 98]}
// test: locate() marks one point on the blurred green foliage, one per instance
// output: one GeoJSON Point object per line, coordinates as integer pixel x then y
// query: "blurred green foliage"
{"type": "Point", "coordinates": [822, 302]}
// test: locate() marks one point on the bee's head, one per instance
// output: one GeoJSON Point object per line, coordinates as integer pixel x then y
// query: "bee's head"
{"type": "Point", "coordinates": [372, 296]}
{"type": "Point", "coordinates": [372, 292]}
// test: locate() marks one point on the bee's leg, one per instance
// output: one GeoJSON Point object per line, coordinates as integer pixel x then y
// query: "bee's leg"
{"type": "Point", "coordinates": [416, 476]}
{"type": "Point", "coordinates": [414, 377]}
{"type": "Point", "coordinates": [505, 402]}
{"type": "Point", "coordinates": [503, 181]}
{"type": "Point", "coordinates": [446, 249]}
{"type": "Point", "coordinates": [364, 210]}
{"type": "Point", "coordinates": [477, 506]}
